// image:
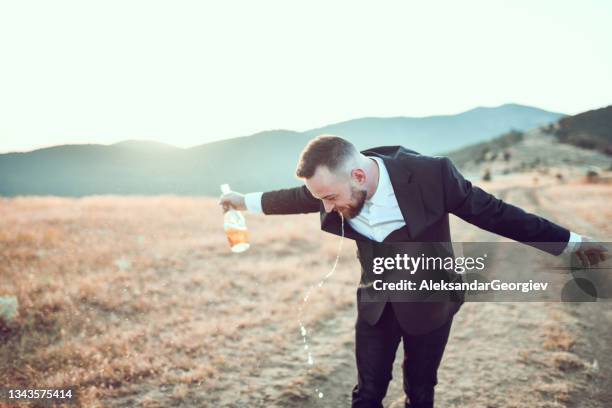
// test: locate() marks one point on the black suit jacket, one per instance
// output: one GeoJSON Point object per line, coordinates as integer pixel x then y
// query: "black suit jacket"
{"type": "Point", "coordinates": [427, 189]}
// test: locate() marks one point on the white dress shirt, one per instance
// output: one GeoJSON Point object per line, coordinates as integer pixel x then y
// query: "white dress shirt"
{"type": "Point", "coordinates": [381, 214]}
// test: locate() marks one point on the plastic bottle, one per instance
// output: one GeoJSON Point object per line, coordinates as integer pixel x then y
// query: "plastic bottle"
{"type": "Point", "coordinates": [235, 227]}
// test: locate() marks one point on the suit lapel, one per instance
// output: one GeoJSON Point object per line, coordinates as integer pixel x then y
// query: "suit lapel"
{"type": "Point", "coordinates": [408, 195]}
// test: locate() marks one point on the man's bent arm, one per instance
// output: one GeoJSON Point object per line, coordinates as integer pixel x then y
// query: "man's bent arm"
{"type": "Point", "coordinates": [482, 209]}
{"type": "Point", "coordinates": [296, 200]}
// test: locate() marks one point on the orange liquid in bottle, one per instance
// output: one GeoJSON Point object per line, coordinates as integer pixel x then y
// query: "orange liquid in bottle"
{"type": "Point", "coordinates": [238, 239]}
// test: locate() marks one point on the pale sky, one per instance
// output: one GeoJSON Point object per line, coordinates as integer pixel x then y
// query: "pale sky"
{"type": "Point", "coordinates": [189, 72]}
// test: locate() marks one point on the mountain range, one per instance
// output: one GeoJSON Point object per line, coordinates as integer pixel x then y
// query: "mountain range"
{"type": "Point", "coordinates": [574, 146]}
{"type": "Point", "coordinates": [262, 161]}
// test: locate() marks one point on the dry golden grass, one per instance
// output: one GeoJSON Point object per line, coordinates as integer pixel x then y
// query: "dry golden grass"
{"type": "Point", "coordinates": [141, 296]}
{"type": "Point", "coordinates": [138, 301]}
{"type": "Point", "coordinates": [558, 339]}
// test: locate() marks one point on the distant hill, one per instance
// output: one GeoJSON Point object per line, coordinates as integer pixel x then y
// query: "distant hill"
{"type": "Point", "coordinates": [145, 145]}
{"type": "Point", "coordinates": [535, 150]}
{"type": "Point", "coordinates": [486, 151]}
{"type": "Point", "coordinates": [136, 168]}
{"type": "Point", "coordinates": [590, 130]}
{"type": "Point", "coordinates": [435, 134]}
{"type": "Point", "coordinates": [261, 161]}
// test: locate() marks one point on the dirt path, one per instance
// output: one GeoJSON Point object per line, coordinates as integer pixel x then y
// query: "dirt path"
{"type": "Point", "coordinates": [500, 354]}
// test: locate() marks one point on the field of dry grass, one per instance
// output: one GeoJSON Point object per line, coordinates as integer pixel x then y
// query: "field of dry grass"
{"type": "Point", "coordinates": [141, 297]}
{"type": "Point", "coordinates": [138, 301]}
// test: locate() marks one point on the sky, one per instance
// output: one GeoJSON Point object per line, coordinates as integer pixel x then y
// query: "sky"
{"type": "Point", "coordinates": [189, 72]}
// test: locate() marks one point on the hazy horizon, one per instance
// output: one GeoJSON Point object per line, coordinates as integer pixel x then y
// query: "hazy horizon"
{"type": "Point", "coordinates": [190, 73]}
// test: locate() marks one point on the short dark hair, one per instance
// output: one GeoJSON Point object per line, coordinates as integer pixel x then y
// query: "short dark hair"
{"type": "Point", "coordinates": [324, 150]}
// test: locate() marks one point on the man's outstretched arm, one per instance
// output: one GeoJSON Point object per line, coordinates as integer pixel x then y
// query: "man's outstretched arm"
{"type": "Point", "coordinates": [296, 200]}
{"type": "Point", "coordinates": [482, 209]}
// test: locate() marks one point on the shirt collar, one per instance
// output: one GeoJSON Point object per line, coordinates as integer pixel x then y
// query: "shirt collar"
{"type": "Point", "coordinates": [384, 188]}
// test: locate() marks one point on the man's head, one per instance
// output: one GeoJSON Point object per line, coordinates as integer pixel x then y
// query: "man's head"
{"type": "Point", "coordinates": [335, 172]}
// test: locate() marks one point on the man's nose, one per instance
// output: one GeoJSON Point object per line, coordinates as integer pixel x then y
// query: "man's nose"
{"type": "Point", "coordinates": [328, 207]}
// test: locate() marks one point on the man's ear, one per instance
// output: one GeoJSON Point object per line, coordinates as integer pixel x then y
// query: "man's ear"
{"type": "Point", "coordinates": [358, 175]}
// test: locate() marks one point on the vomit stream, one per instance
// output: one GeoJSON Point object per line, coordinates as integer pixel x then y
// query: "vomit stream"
{"type": "Point", "coordinates": [303, 331]}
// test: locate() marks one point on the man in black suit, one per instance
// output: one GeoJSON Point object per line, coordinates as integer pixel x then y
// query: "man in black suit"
{"type": "Point", "coordinates": [392, 199]}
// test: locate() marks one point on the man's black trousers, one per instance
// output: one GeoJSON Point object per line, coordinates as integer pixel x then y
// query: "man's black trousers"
{"type": "Point", "coordinates": [375, 348]}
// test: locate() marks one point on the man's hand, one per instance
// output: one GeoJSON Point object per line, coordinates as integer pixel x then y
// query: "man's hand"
{"type": "Point", "coordinates": [232, 200]}
{"type": "Point", "coordinates": [590, 253]}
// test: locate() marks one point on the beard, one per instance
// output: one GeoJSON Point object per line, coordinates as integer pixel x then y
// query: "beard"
{"type": "Point", "coordinates": [358, 199]}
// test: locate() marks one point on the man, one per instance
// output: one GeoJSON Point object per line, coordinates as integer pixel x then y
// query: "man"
{"type": "Point", "coordinates": [390, 196]}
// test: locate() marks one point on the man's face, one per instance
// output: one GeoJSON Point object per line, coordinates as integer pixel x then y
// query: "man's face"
{"type": "Point", "coordinates": [342, 193]}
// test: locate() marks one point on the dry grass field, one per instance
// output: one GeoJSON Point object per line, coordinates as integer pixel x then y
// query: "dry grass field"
{"type": "Point", "coordinates": [137, 301]}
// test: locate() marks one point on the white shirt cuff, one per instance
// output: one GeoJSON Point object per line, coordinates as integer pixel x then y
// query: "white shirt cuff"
{"type": "Point", "coordinates": [572, 243]}
{"type": "Point", "coordinates": [253, 202]}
